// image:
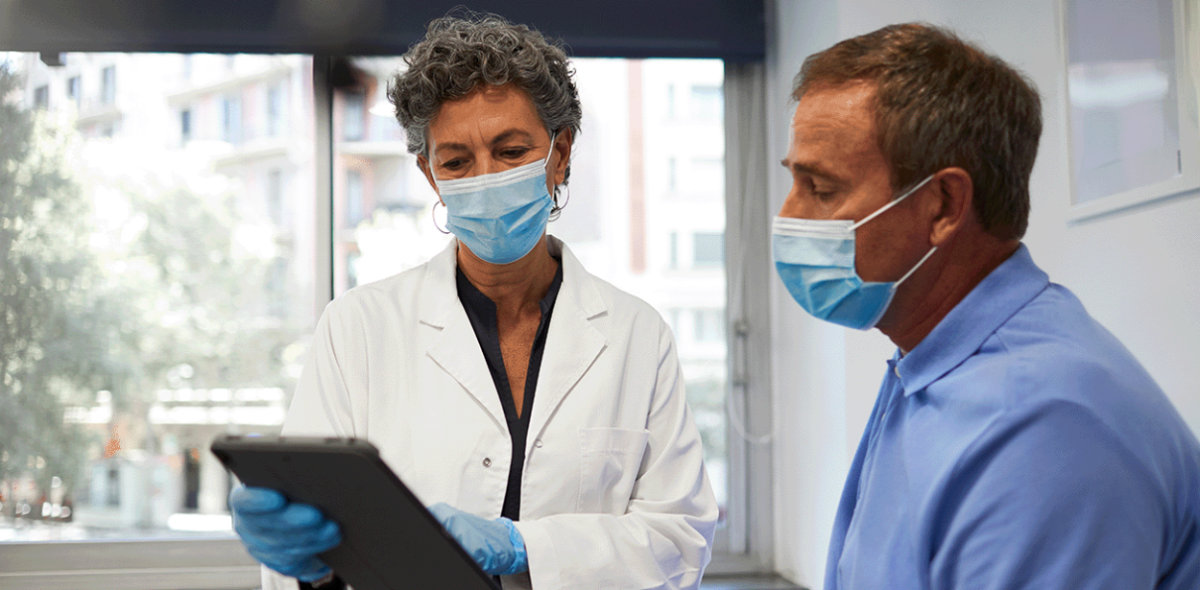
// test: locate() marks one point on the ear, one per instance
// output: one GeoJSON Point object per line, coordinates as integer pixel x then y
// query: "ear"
{"type": "Point", "coordinates": [562, 149]}
{"type": "Point", "coordinates": [423, 164]}
{"type": "Point", "coordinates": [954, 204]}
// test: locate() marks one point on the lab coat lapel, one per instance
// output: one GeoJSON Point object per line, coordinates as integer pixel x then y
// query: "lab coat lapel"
{"type": "Point", "coordinates": [456, 349]}
{"type": "Point", "coordinates": [573, 343]}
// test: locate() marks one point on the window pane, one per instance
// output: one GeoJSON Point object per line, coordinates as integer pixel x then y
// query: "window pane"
{"type": "Point", "coordinates": [354, 197]}
{"type": "Point", "coordinates": [708, 249]}
{"type": "Point", "coordinates": [157, 293]}
{"type": "Point", "coordinates": [275, 109]}
{"type": "Point", "coordinates": [353, 115]}
{"type": "Point", "coordinates": [108, 85]}
{"type": "Point", "coordinates": [41, 97]}
{"type": "Point", "coordinates": [650, 258]}
{"type": "Point", "coordinates": [231, 118]}
{"type": "Point", "coordinates": [379, 192]}
{"type": "Point", "coordinates": [707, 102]}
{"type": "Point", "coordinates": [185, 125]}
{"type": "Point", "coordinates": [74, 91]}
{"type": "Point", "coordinates": [1124, 96]}
{"type": "Point", "coordinates": [650, 254]}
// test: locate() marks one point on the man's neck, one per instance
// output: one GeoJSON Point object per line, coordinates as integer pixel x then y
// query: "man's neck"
{"type": "Point", "coordinates": [960, 275]}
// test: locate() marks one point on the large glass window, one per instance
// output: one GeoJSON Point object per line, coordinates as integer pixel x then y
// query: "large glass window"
{"type": "Point", "coordinates": [156, 293]}
{"type": "Point", "coordinates": [182, 274]}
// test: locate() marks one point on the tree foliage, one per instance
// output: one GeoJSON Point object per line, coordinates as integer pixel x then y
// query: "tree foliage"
{"type": "Point", "coordinates": [55, 326]}
{"type": "Point", "coordinates": [92, 300]}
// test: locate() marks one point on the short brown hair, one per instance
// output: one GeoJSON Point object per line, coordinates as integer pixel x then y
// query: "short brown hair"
{"type": "Point", "coordinates": [942, 102]}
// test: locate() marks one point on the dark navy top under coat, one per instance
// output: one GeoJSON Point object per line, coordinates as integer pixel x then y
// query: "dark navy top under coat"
{"type": "Point", "coordinates": [481, 311]}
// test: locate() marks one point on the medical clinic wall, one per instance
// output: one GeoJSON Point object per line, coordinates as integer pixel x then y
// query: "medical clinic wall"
{"type": "Point", "coordinates": [1133, 270]}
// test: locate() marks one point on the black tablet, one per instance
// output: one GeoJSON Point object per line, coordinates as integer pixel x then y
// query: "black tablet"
{"type": "Point", "coordinates": [389, 540]}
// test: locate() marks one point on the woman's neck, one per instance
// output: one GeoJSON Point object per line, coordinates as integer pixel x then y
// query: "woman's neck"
{"type": "Point", "coordinates": [513, 287]}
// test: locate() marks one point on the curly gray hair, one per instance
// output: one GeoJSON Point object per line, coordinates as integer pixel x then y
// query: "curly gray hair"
{"type": "Point", "coordinates": [460, 53]}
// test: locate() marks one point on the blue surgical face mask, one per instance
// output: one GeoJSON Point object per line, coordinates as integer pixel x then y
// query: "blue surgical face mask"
{"type": "Point", "coordinates": [499, 216]}
{"type": "Point", "coordinates": [815, 260]}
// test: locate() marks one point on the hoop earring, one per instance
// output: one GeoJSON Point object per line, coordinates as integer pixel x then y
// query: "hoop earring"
{"type": "Point", "coordinates": [564, 205]}
{"type": "Point", "coordinates": [556, 211]}
{"type": "Point", "coordinates": [432, 216]}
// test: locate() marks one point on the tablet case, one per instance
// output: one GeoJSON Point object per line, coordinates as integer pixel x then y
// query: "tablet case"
{"type": "Point", "coordinates": [389, 540]}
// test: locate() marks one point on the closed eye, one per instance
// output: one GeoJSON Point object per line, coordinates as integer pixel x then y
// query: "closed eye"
{"type": "Point", "coordinates": [515, 152]}
{"type": "Point", "coordinates": [820, 192]}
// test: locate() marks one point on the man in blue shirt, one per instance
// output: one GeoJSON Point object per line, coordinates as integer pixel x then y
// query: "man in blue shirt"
{"type": "Point", "coordinates": [1015, 443]}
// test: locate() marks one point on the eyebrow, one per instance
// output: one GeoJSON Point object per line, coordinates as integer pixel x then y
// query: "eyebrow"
{"type": "Point", "coordinates": [503, 136]}
{"type": "Point", "coordinates": [811, 169]}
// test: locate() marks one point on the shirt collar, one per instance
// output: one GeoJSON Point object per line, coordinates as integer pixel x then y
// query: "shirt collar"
{"type": "Point", "coordinates": [992, 302]}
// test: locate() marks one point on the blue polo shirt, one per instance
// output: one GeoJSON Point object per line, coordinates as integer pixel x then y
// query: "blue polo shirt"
{"type": "Point", "coordinates": [1020, 445]}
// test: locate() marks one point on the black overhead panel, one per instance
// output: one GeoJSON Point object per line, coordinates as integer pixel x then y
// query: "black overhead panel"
{"type": "Point", "coordinates": [729, 29]}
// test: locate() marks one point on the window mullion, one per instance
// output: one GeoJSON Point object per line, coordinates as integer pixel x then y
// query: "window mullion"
{"type": "Point", "coordinates": [747, 247]}
{"type": "Point", "coordinates": [322, 97]}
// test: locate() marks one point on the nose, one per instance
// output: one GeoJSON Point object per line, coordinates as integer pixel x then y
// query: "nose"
{"type": "Point", "coordinates": [791, 206]}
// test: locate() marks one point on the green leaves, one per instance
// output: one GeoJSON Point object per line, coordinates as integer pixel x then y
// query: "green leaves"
{"type": "Point", "coordinates": [118, 267]}
{"type": "Point", "coordinates": [45, 356]}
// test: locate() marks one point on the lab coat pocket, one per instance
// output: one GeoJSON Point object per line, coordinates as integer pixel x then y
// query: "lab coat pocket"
{"type": "Point", "coordinates": [609, 463]}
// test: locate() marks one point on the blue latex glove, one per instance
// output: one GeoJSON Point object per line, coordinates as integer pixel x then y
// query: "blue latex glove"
{"type": "Point", "coordinates": [283, 536]}
{"type": "Point", "coordinates": [495, 545]}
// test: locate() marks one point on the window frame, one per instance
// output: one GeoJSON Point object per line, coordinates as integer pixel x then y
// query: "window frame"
{"type": "Point", "coordinates": [748, 543]}
{"type": "Point", "coordinates": [744, 547]}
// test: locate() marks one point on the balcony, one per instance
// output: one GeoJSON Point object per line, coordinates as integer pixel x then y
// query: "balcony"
{"type": "Point", "coordinates": [252, 150]}
{"type": "Point", "coordinates": [234, 81]}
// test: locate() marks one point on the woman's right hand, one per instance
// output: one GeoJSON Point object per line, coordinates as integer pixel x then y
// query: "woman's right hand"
{"type": "Point", "coordinates": [283, 536]}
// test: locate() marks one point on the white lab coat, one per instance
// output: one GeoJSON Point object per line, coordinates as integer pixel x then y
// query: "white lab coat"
{"type": "Point", "coordinates": [614, 493]}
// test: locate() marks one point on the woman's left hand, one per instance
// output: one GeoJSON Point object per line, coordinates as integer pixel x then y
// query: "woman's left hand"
{"type": "Point", "coordinates": [495, 545]}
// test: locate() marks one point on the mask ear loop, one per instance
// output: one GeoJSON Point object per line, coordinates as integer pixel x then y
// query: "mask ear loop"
{"type": "Point", "coordinates": [894, 201]}
{"type": "Point", "coordinates": [433, 216]}
{"type": "Point", "coordinates": [557, 208]}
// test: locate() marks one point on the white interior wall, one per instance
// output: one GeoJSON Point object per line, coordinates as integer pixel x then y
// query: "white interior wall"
{"type": "Point", "coordinates": [1135, 271]}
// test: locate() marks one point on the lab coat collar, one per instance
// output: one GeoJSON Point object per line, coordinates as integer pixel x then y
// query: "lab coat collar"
{"type": "Point", "coordinates": [456, 350]}
{"type": "Point", "coordinates": [988, 306]}
{"type": "Point", "coordinates": [572, 343]}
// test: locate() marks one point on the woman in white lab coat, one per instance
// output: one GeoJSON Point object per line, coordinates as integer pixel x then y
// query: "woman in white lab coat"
{"type": "Point", "coordinates": [537, 407]}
